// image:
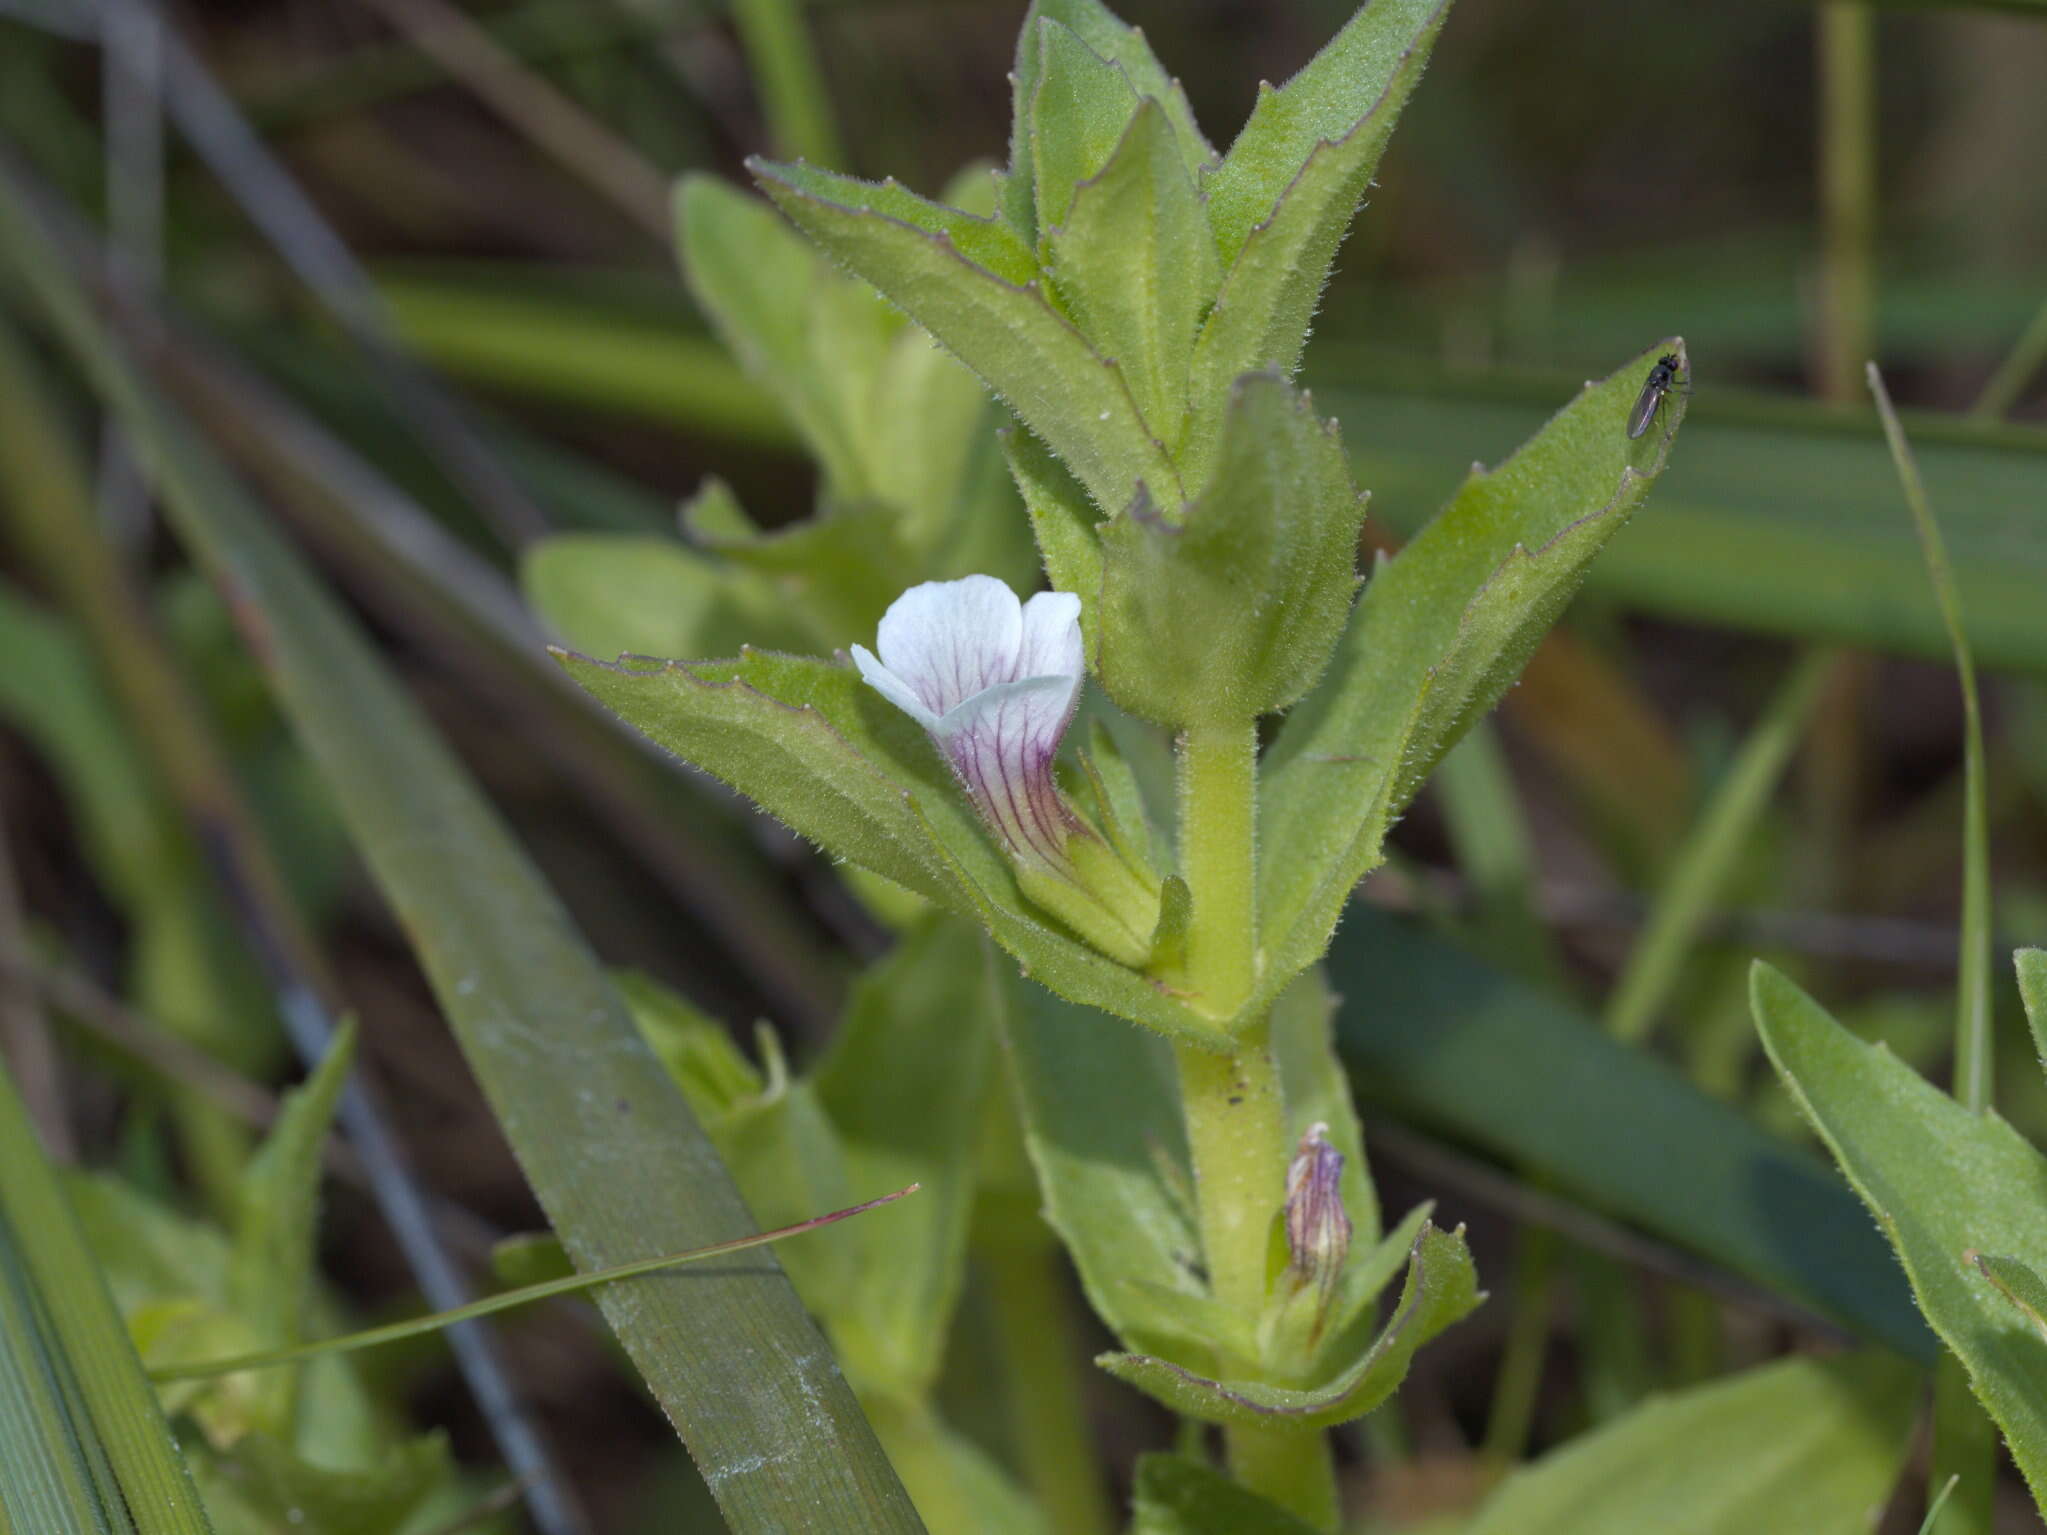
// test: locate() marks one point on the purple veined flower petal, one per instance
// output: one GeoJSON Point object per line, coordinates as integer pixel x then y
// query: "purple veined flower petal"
{"type": "Point", "coordinates": [1051, 644]}
{"type": "Point", "coordinates": [1002, 743]}
{"type": "Point", "coordinates": [995, 683]}
{"type": "Point", "coordinates": [892, 687]}
{"type": "Point", "coordinates": [948, 640]}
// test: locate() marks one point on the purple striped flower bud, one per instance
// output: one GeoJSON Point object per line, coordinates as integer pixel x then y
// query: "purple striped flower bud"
{"type": "Point", "coordinates": [1317, 1225]}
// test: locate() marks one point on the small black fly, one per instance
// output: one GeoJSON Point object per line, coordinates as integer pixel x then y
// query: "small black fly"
{"type": "Point", "coordinates": [1661, 380]}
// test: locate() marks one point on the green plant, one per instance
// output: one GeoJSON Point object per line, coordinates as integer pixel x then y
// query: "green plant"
{"type": "Point", "coordinates": [1140, 302]}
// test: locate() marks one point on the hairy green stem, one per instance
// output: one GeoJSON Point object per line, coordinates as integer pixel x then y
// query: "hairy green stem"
{"type": "Point", "coordinates": [1218, 859]}
{"type": "Point", "coordinates": [1234, 1107]}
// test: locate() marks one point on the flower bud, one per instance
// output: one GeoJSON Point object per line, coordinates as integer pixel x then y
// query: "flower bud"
{"type": "Point", "coordinates": [1318, 1227]}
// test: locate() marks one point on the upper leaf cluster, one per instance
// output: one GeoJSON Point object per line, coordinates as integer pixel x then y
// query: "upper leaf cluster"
{"type": "Point", "coordinates": [1126, 282]}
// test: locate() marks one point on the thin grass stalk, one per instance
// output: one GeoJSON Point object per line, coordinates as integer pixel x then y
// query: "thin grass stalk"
{"type": "Point", "coordinates": [790, 80]}
{"type": "Point", "coordinates": [219, 133]}
{"type": "Point", "coordinates": [427, 585]}
{"type": "Point", "coordinates": [1698, 874]}
{"type": "Point", "coordinates": [535, 110]}
{"type": "Point", "coordinates": [344, 81]}
{"type": "Point", "coordinates": [131, 108]}
{"type": "Point", "coordinates": [1039, 1340]}
{"type": "Point", "coordinates": [2002, 390]}
{"type": "Point", "coordinates": [1964, 1438]}
{"type": "Point", "coordinates": [1846, 58]}
{"type": "Point", "coordinates": [26, 1042]}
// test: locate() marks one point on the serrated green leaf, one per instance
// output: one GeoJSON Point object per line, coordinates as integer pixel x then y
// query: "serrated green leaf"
{"type": "Point", "coordinates": [837, 572]}
{"type": "Point", "coordinates": [1440, 633]}
{"type": "Point", "coordinates": [1102, 1124]}
{"type": "Point", "coordinates": [1231, 609]}
{"type": "Point", "coordinates": [825, 754]}
{"type": "Point", "coordinates": [904, 1084]}
{"type": "Point", "coordinates": [889, 416]}
{"type": "Point", "coordinates": [769, 298]}
{"type": "Point", "coordinates": [696, 1048]}
{"type": "Point", "coordinates": [1063, 519]}
{"type": "Point", "coordinates": [262, 1484]}
{"type": "Point", "coordinates": [1278, 261]}
{"type": "Point", "coordinates": [934, 454]}
{"type": "Point", "coordinates": [1375, 59]}
{"type": "Point", "coordinates": [1353, 1309]}
{"type": "Point", "coordinates": [1136, 267]}
{"type": "Point", "coordinates": [1441, 1290]}
{"type": "Point", "coordinates": [2032, 968]}
{"type": "Point", "coordinates": [997, 322]}
{"type": "Point", "coordinates": [1080, 109]}
{"type": "Point", "coordinates": [2018, 1284]}
{"type": "Point", "coordinates": [804, 740]}
{"type": "Point", "coordinates": [617, 593]}
{"type": "Point", "coordinates": [271, 1279]}
{"type": "Point", "coordinates": [1094, 24]}
{"type": "Point", "coordinates": [985, 244]}
{"type": "Point", "coordinates": [957, 1484]}
{"type": "Point", "coordinates": [1943, 1183]}
{"type": "Point", "coordinates": [1801, 1447]}
{"type": "Point", "coordinates": [1178, 1496]}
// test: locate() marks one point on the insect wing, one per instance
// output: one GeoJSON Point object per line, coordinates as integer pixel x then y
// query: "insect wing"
{"type": "Point", "coordinates": [1647, 401]}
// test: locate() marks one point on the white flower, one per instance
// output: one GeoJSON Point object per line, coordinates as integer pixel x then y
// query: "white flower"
{"type": "Point", "coordinates": [995, 682]}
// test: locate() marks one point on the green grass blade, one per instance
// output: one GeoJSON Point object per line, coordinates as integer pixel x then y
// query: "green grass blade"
{"type": "Point", "coordinates": [1445, 1040]}
{"type": "Point", "coordinates": [1699, 873]}
{"type": "Point", "coordinates": [1764, 522]}
{"type": "Point", "coordinates": [1496, 854]}
{"type": "Point", "coordinates": [75, 1408]}
{"type": "Point", "coordinates": [45, 1480]}
{"type": "Point", "coordinates": [601, 1131]}
{"type": "Point", "coordinates": [584, 353]}
{"type": "Point", "coordinates": [1933, 1509]}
